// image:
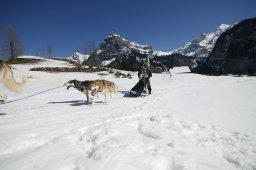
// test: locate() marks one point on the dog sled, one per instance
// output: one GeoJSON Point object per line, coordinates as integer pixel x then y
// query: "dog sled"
{"type": "Point", "coordinates": [140, 89]}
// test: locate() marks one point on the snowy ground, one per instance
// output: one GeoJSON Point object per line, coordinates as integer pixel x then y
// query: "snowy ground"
{"type": "Point", "coordinates": [190, 122]}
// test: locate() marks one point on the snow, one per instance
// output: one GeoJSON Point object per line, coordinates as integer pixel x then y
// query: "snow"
{"type": "Point", "coordinates": [45, 63]}
{"type": "Point", "coordinates": [144, 49]}
{"type": "Point", "coordinates": [208, 38]}
{"type": "Point", "coordinates": [224, 27]}
{"type": "Point", "coordinates": [98, 51]}
{"type": "Point", "coordinates": [136, 45]}
{"type": "Point", "coordinates": [191, 53]}
{"type": "Point", "coordinates": [32, 57]}
{"type": "Point", "coordinates": [78, 57]}
{"type": "Point", "coordinates": [190, 122]}
{"type": "Point", "coordinates": [206, 41]}
{"type": "Point", "coordinates": [107, 62]}
{"type": "Point", "coordinates": [161, 53]}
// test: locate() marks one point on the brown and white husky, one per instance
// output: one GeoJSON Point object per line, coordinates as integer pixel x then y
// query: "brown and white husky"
{"type": "Point", "coordinates": [104, 87]}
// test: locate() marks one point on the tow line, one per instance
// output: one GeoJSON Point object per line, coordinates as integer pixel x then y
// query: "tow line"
{"type": "Point", "coordinates": [31, 95]}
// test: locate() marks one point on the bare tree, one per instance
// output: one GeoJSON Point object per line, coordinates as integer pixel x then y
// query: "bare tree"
{"type": "Point", "coordinates": [87, 48]}
{"type": "Point", "coordinates": [12, 46]}
{"type": "Point", "coordinates": [49, 50]}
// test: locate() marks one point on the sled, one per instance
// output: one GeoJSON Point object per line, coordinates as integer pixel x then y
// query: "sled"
{"type": "Point", "coordinates": [131, 94]}
{"type": "Point", "coordinates": [139, 88]}
{"type": "Point", "coordinates": [138, 94]}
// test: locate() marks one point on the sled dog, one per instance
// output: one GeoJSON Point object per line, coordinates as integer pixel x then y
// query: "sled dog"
{"type": "Point", "coordinates": [93, 87]}
{"type": "Point", "coordinates": [6, 77]}
{"type": "Point", "coordinates": [104, 87]}
{"type": "Point", "coordinates": [82, 86]}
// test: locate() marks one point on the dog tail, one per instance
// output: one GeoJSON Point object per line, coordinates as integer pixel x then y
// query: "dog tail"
{"type": "Point", "coordinates": [10, 83]}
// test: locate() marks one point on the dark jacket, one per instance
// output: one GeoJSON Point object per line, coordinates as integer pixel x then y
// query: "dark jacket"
{"type": "Point", "coordinates": [146, 71]}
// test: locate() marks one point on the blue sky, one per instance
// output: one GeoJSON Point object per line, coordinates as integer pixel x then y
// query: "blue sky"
{"type": "Point", "coordinates": [163, 24]}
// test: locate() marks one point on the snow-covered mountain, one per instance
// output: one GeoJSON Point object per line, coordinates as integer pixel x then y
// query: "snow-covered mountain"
{"type": "Point", "coordinates": [162, 53]}
{"type": "Point", "coordinates": [119, 53]}
{"type": "Point", "coordinates": [115, 48]}
{"type": "Point", "coordinates": [234, 51]}
{"type": "Point", "coordinates": [78, 57]}
{"type": "Point", "coordinates": [202, 46]}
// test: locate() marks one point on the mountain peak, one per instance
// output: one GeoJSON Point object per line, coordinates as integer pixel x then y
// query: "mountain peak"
{"type": "Point", "coordinates": [78, 57]}
{"type": "Point", "coordinates": [113, 34]}
{"type": "Point", "coordinates": [223, 27]}
{"type": "Point", "coordinates": [202, 46]}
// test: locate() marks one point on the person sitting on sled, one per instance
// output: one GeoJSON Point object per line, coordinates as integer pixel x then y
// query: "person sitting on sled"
{"type": "Point", "coordinates": [145, 74]}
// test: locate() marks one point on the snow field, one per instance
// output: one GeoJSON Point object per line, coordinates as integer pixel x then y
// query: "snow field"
{"type": "Point", "coordinates": [190, 122]}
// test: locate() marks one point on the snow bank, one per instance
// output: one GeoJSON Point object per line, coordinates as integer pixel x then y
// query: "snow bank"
{"type": "Point", "coordinates": [45, 63]}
